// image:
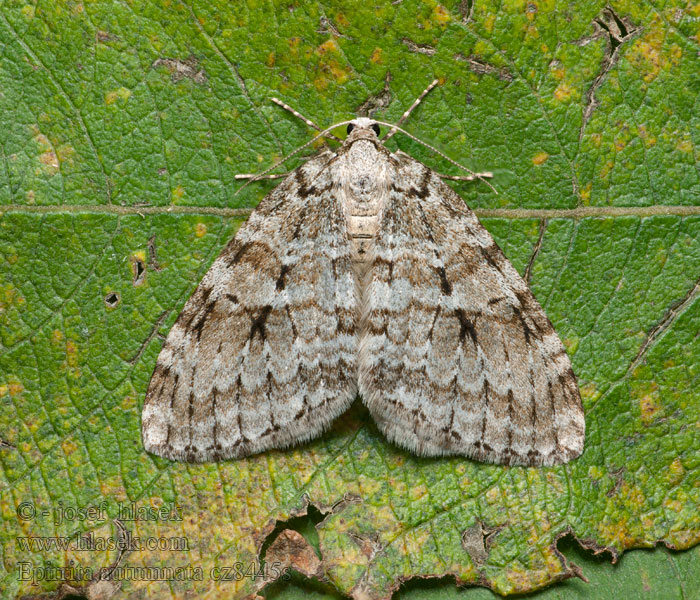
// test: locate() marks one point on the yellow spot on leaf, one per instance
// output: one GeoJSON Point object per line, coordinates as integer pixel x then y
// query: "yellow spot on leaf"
{"type": "Point", "coordinates": [589, 392]}
{"type": "Point", "coordinates": [15, 388]}
{"type": "Point", "coordinates": [200, 230]}
{"type": "Point", "coordinates": [571, 344]}
{"type": "Point", "coordinates": [71, 353]}
{"type": "Point", "coordinates": [540, 158]}
{"type": "Point", "coordinates": [595, 472]}
{"type": "Point", "coordinates": [563, 91]}
{"type": "Point", "coordinates": [489, 22]}
{"type": "Point", "coordinates": [553, 481]}
{"type": "Point", "coordinates": [645, 55]}
{"type": "Point", "coordinates": [113, 488]}
{"type": "Point", "coordinates": [441, 15]}
{"type": "Point", "coordinates": [270, 62]}
{"type": "Point", "coordinates": [50, 161]}
{"type": "Point", "coordinates": [416, 542]}
{"type": "Point", "coordinates": [329, 69]}
{"type": "Point", "coordinates": [57, 336]}
{"type": "Point", "coordinates": [47, 156]}
{"type": "Point", "coordinates": [685, 145]}
{"type": "Point", "coordinates": [66, 154]}
{"type": "Point", "coordinates": [557, 70]}
{"type": "Point", "coordinates": [28, 12]}
{"type": "Point", "coordinates": [676, 54]}
{"type": "Point", "coordinates": [9, 296]}
{"type": "Point", "coordinates": [337, 72]}
{"type": "Point", "coordinates": [585, 193]}
{"type": "Point", "coordinates": [493, 495]}
{"type": "Point", "coordinates": [675, 472]}
{"type": "Point", "coordinates": [531, 31]}
{"type": "Point", "coordinates": [121, 93]}
{"type": "Point", "coordinates": [68, 447]}
{"type": "Point", "coordinates": [418, 492]}
{"type": "Point", "coordinates": [328, 46]}
{"type": "Point", "coordinates": [128, 403]}
{"type": "Point", "coordinates": [673, 505]}
{"type": "Point", "coordinates": [616, 531]}
{"type": "Point", "coordinates": [294, 45]}
{"type": "Point", "coordinates": [318, 142]}
{"type": "Point", "coordinates": [376, 57]}
{"type": "Point", "coordinates": [649, 403]}
{"type": "Point", "coordinates": [620, 144]}
{"type": "Point", "coordinates": [631, 495]}
{"type": "Point", "coordinates": [178, 193]}
{"type": "Point", "coordinates": [607, 167]}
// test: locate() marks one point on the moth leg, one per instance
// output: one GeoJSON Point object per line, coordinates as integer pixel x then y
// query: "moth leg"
{"type": "Point", "coordinates": [472, 177]}
{"type": "Point", "coordinates": [254, 176]}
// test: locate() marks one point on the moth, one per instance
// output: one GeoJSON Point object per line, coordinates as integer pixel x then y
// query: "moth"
{"type": "Point", "coordinates": [363, 271]}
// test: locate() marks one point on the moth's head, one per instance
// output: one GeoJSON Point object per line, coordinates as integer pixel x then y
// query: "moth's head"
{"type": "Point", "coordinates": [362, 128]}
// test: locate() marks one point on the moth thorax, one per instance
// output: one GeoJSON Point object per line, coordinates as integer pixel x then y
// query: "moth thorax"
{"type": "Point", "coordinates": [366, 186]}
{"type": "Point", "coordinates": [365, 172]}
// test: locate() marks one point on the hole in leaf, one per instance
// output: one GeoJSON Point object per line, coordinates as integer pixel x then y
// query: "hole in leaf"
{"type": "Point", "coordinates": [620, 24]}
{"type": "Point", "coordinates": [466, 8]}
{"type": "Point", "coordinates": [299, 586]}
{"type": "Point", "coordinates": [292, 550]}
{"type": "Point", "coordinates": [304, 524]}
{"type": "Point", "coordinates": [579, 553]}
{"type": "Point", "coordinates": [139, 270]}
{"type": "Point", "coordinates": [618, 30]}
{"type": "Point", "coordinates": [423, 587]}
{"type": "Point", "coordinates": [112, 299]}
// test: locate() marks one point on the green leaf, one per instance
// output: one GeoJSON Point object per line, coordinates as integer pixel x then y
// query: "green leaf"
{"type": "Point", "coordinates": [123, 126]}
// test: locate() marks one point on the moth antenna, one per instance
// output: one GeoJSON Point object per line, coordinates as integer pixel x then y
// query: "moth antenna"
{"type": "Point", "coordinates": [299, 149]}
{"type": "Point", "coordinates": [447, 158]}
{"type": "Point", "coordinates": [405, 115]}
{"type": "Point", "coordinates": [297, 114]}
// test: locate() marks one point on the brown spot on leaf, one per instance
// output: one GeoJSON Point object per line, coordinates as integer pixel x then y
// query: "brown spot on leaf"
{"type": "Point", "coordinates": [418, 48]}
{"type": "Point", "coordinates": [377, 101]}
{"type": "Point", "coordinates": [182, 69]}
{"type": "Point", "coordinates": [479, 66]}
{"type": "Point", "coordinates": [477, 540]}
{"type": "Point", "coordinates": [617, 474]}
{"type": "Point", "coordinates": [370, 546]}
{"type": "Point", "coordinates": [291, 550]}
{"type": "Point", "coordinates": [152, 254]}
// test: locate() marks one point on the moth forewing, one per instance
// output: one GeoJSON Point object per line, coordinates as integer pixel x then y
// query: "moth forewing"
{"type": "Point", "coordinates": [263, 355]}
{"type": "Point", "coordinates": [364, 271]}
